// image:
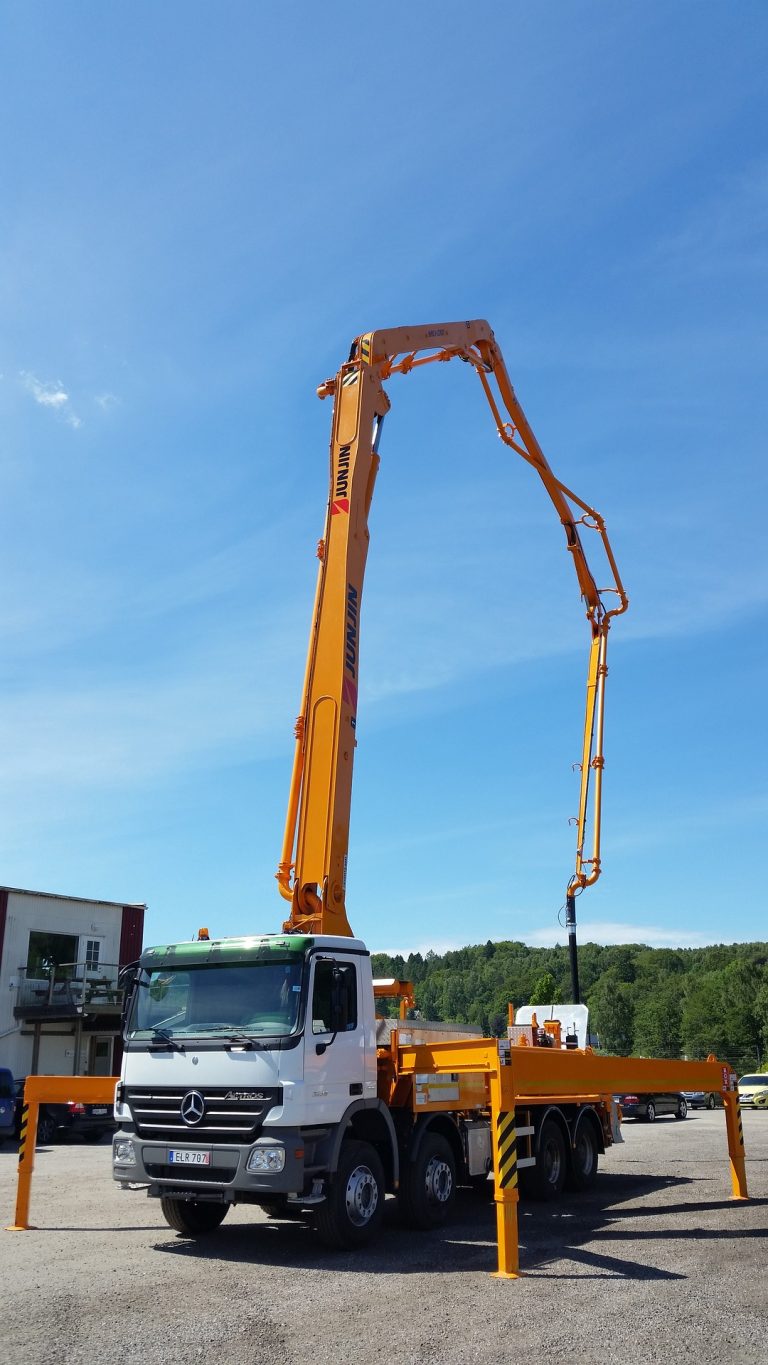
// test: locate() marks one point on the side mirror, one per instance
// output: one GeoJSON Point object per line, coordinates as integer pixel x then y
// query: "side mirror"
{"type": "Point", "coordinates": [126, 980]}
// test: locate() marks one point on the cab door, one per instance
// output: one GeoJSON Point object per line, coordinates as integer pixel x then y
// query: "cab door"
{"type": "Point", "coordinates": [334, 1039]}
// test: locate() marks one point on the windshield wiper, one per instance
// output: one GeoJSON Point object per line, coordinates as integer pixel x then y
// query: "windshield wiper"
{"type": "Point", "coordinates": [245, 1040]}
{"type": "Point", "coordinates": [242, 1040]}
{"type": "Point", "coordinates": [161, 1035]}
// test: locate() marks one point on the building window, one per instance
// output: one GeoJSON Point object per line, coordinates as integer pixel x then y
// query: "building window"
{"type": "Point", "coordinates": [92, 950]}
{"type": "Point", "coordinates": [51, 955]}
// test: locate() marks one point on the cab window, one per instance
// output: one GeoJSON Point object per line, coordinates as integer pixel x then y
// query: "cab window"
{"type": "Point", "coordinates": [322, 994]}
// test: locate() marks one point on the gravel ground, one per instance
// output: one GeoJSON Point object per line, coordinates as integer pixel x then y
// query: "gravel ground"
{"type": "Point", "coordinates": [655, 1263]}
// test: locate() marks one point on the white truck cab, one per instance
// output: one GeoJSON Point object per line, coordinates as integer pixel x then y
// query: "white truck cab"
{"type": "Point", "coordinates": [246, 1061]}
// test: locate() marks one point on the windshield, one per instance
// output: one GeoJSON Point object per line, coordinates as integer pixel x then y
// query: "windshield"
{"type": "Point", "coordinates": [246, 999]}
{"type": "Point", "coordinates": [754, 1080]}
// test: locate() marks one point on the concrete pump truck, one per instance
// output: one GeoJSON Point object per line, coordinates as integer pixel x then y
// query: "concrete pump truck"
{"type": "Point", "coordinates": [258, 1069]}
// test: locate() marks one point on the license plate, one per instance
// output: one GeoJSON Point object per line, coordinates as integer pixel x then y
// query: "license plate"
{"type": "Point", "coordinates": [189, 1158]}
{"type": "Point", "coordinates": [99, 1111]}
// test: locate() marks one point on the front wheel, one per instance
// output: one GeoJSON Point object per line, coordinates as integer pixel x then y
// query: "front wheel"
{"type": "Point", "coordinates": [711, 1102]}
{"type": "Point", "coordinates": [428, 1191]}
{"type": "Point", "coordinates": [353, 1208]}
{"type": "Point", "coordinates": [682, 1108]}
{"type": "Point", "coordinates": [650, 1112]}
{"type": "Point", "coordinates": [192, 1218]}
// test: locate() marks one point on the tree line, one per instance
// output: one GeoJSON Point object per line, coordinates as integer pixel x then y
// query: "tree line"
{"type": "Point", "coordinates": [647, 1002]}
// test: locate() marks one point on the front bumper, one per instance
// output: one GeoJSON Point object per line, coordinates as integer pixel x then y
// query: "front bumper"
{"type": "Point", "coordinates": [226, 1177]}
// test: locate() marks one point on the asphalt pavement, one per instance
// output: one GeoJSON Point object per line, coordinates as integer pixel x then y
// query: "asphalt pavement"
{"type": "Point", "coordinates": [655, 1263]}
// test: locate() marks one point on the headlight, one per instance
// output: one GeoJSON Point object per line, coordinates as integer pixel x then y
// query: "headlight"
{"type": "Point", "coordinates": [266, 1159]}
{"type": "Point", "coordinates": [123, 1153]}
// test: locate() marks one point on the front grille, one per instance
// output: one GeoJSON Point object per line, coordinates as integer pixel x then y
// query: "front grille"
{"type": "Point", "coordinates": [219, 1175]}
{"type": "Point", "coordinates": [230, 1116]}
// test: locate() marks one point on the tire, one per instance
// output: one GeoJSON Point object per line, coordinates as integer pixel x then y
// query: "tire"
{"type": "Point", "coordinates": [47, 1128]}
{"type": "Point", "coordinates": [191, 1218]}
{"type": "Point", "coordinates": [711, 1102]}
{"type": "Point", "coordinates": [650, 1113]}
{"type": "Point", "coordinates": [428, 1191]}
{"type": "Point", "coordinates": [546, 1179]}
{"type": "Point", "coordinates": [682, 1108]}
{"type": "Point", "coordinates": [351, 1213]}
{"type": "Point", "coordinates": [585, 1154]}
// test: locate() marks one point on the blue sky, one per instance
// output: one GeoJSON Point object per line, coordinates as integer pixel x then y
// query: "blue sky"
{"type": "Point", "coordinates": [202, 205]}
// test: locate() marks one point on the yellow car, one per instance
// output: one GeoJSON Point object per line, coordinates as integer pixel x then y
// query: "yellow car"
{"type": "Point", "coordinates": [753, 1090]}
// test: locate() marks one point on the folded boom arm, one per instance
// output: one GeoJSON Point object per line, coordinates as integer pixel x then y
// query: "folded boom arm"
{"type": "Point", "coordinates": [312, 869]}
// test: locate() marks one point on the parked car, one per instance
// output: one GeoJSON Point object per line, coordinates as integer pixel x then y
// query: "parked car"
{"type": "Point", "coordinates": [55, 1121]}
{"type": "Point", "coordinates": [649, 1107]}
{"type": "Point", "coordinates": [703, 1099]}
{"type": "Point", "coordinates": [750, 1087]}
{"type": "Point", "coordinates": [7, 1104]}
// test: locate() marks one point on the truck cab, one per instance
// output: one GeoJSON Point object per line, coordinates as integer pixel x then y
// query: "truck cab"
{"type": "Point", "coordinates": [246, 1062]}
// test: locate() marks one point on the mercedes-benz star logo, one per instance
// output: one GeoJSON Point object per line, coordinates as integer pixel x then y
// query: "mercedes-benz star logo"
{"type": "Point", "coordinates": [192, 1107]}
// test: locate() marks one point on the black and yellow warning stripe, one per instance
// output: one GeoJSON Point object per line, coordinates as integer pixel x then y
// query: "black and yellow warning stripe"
{"type": "Point", "coordinates": [23, 1130]}
{"type": "Point", "coordinates": [365, 349]}
{"type": "Point", "coordinates": [506, 1142]}
{"type": "Point", "coordinates": [740, 1130]}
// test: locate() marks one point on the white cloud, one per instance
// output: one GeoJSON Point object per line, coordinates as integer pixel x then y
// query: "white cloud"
{"type": "Point", "coordinates": [614, 931]}
{"type": "Point", "coordinates": [594, 931]}
{"type": "Point", "coordinates": [52, 395]}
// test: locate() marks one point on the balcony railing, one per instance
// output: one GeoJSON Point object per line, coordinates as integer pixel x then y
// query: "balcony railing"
{"type": "Point", "coordinates": [68, 989]}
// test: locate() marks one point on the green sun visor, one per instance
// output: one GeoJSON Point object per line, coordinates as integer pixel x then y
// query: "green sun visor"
{"type": "Point", "coordinates": [219, 952]}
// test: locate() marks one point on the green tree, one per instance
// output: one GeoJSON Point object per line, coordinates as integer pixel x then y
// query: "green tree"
{"type": "Point", "coordinates": [612, 1014]}
{"type": "Point", "coordinates": [545, 990]}
{"type": "Point", "coordinates": [658, 1018]}
{"type": "Point", "coordinates": [742, 1025]}
{"type": "Point", "coordinates": [703, 1023]}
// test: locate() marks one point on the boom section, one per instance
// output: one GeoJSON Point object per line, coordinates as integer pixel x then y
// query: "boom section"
{"type": "Point", "coordinates": [312, 869]}
{"type": "Point", "coordinates": [313, 877]}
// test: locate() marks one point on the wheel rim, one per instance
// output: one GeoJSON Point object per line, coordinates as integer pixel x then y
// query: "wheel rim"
{"type": "Point", "coordinates": [438, 1181]}
{"type": "Point", "coordinates": [651, 1113]}
{"type": "Point", "coordinates": [683, 1110]}
{"type": "Point", "coordinates": [584, 1155]}
{"type": "Point", "coordinates": [711, 1102]}
{"type": "Point", "coordinates": [553, 1162]}
{"type": "Point", "coordinates": [362, 1196]}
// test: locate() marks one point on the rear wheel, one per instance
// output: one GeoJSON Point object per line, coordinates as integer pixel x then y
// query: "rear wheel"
{"type": "Point", "coordinates": [546, 1179]}
{"type": "Point", "coordinates": [584, 1156]}
{"type": "Point", "coordinates": [353, 1208]}
{"type": "Point", "coordinates": [650, 1112]}
{"type": "Point", "coordinates": [428, 1191]}
{"type": "Point", "coordinates": [711, 1102]}
{"type": "Point", "coordinates": [192, 1218]}
{"type": "Point", "coordinates": [682, 1108]}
